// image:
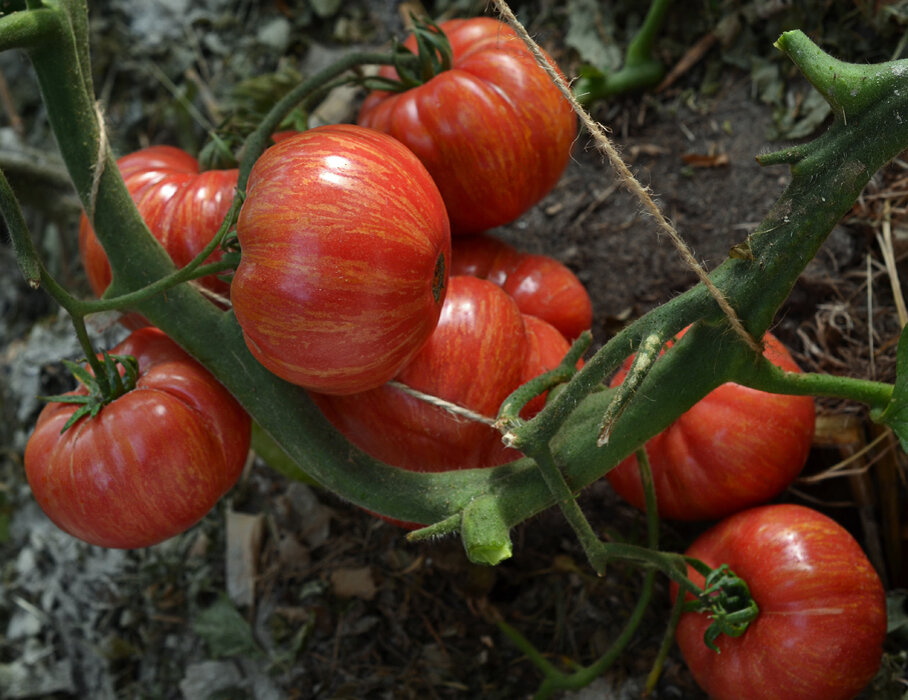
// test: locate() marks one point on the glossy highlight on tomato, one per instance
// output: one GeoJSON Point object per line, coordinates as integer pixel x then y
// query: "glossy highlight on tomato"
{"type": "Point", "coordinates": [822, 619]}
{"type": "Point", "coordinates": [345, 254]}
{"type": "Point", "coordinates": [493, 130]}
{"type": "Point", "coordinates": [151, 463]}
{"type": "Point", "coordinates": [182, 207]}
{"type": "Point", "coordinates": [735, 448]}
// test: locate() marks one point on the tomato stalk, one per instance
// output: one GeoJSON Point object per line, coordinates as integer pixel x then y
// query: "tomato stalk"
{"type": "Point", "coordinates": [639, 71]}
{"type": "Point", "coordinates": [433, 55]}
{"type": "Point", "coordinates": [553, 678]}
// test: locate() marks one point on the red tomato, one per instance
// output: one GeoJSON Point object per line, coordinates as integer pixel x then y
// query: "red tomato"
{"type": "Point", "coordinates": [822, 620]}
{"type": "Point", "coordinates": [182, 207]}
{"type": "Point", "coordinates": [541, 286]}
{"type": "Point", "coordinates": [494, 131]}
{"type": "Point", "coordinates": [473, 359]}
{"type": "Point", "coordinates": [151, 463]}
{"type": "Point", "coordinates": [346, 247]}
{"type": "Point", "coordinates": [544, 287]}
{"type": "Point", "coordinates": [736, 448]}
{"type": "Point", "coordinates": [485, 257]}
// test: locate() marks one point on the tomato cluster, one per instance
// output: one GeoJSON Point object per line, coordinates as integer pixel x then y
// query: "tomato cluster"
{"type": "Point", "coordinates": [408, 340]}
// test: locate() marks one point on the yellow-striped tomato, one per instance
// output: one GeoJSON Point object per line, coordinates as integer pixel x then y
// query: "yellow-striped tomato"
{"type": "Point", "coordinates": [151, 463]}
{"type": "Point", "coordinates": [182, 207]}
{"type": "Point", "coordinates": [735, 448]}
{"type": "Point", "coordinates": [474, 359]}
{"type": "Point", "coordinates": [494, 130]}
{"type": "Point", "coordinates": [346, 248]}
{"type": "Point", "coordinates": [822, 620]}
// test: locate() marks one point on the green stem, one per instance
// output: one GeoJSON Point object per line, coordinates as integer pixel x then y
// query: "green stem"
{"type": "Point", "coordinates": [567, 502]}
{"type": "Point", "coordinates": [258, 140]}
{"type": "Point", "coordinates": [667, 640]}
{"type": "Point", "coordinates": [640, 49]}
{"type": "Point", "coordinates": [766, 376]}
{"type": "Point", "coordinates": [23, 246]}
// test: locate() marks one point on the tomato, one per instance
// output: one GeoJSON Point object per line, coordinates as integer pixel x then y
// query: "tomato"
{"type": "Point", "coordinates": [822, 620]}
{"type": "Point", "coordinates": [182, 207]}
{"type": "Point", "coordinates": [736, 448]}
{"type": "Point", "coordinates": [544, 287]}
{"type": "Point", "coordinates": [541, 286]}
{"type": "Point", "coordinates": [473, 359]}
{"type": "Point", "coordinates": [151, 463]}
{"type": "Point", "coordinates": [484, 256]}
{"type": "Point", "coordinates": [346, 247]}
{"type": "Point", "coordinates": [493, 130]}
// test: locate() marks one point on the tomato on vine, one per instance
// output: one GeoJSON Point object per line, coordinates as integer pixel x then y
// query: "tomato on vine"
{"type": "Point", "coordinates": [491, 127]}
{"type": "Point", "coordinates": [147, 465]}
{"type": "Point", "coordinates": [822, 610]}
{"type": "Point", "coordinates": [345, 254]}
{"type": "Point", "coordinates": [473, 359]}
{"type": "Point", "coordinates": [737, 447]}
{"type": "Point", "coordinates": [183, 208]}
{"type": "Point", "coordinates": [539, 284]}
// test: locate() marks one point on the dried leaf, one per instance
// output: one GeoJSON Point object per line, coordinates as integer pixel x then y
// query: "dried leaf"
{"type": "Point", "coordinates": [353, 583]}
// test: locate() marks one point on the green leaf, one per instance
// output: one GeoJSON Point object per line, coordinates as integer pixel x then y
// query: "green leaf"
{"type": "Point", "coordinates": [896, 413]}
{"type": "Point", "coordinates": [225, 631]}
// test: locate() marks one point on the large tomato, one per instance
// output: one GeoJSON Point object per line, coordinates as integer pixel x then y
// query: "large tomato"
{"type": "Point", "coordinates": [736, 448]}
{"type": "Point", "coordinates": [493, 130]}
{"type": "Point", "coordinates": [151, 463]}
{"type": "Point", "coordinates": [822, 619]}
{"type": "Point", "coordinates": [541, 286]}
{"type": "Point", "coordinates": [182, 207]}
{"type": "Point", "coordinates": [473, 359]}
{"type": "Point", "coordinates": [346, 248]}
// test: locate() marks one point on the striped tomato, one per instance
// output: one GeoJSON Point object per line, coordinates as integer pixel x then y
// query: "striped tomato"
{"type": "Point", "coordinates": [346, 248]}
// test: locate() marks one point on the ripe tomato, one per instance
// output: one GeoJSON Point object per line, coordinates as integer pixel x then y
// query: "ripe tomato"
{"type": "Point", "coordinates": [346, 247]}
{"type": "Point", "coordinates": [182, 207]}
{"type": "Point", "coordinates": [484, 256]}
{"type": "Point", "coordinates": [473, 359]}
{"type": "Point", "coordinates": [541, 286]}
{"type": "Point", "coordinates": [493, 130]}
{"type": "Point", "coordinates": [736, 448]}
{"type": "Point", "coordinates": [544, 287]}
{"type": "Point", "coordinates": [151, 463]}
{"type": "Point", "coordinates": [822, 620]}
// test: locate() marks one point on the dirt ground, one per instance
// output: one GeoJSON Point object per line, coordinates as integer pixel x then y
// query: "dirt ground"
{"type": "Point", "coordinates": [284, 591]}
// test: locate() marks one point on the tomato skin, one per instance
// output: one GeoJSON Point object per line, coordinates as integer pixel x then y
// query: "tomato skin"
{"type": "Point", "coordinates": [736, 448]}
{"type": "Point", "coordinates": [474, 359]}
{"type": "Point", "coordinates": [544, 287]}
{"type": "Point", "coordinates": [346, 248]}
{"type": "Point", "coordinates": [541, 286]}
{"type": "Point", "coordinates": [484, 256]}
{"type": "Point", "coordinates": [152, 462]}
{"type": "Point", "coordinates": [822, 620]}
{"type": "Point", "coordinates": [182, 207]}
{"type": "Point", "coordinates": [494, 131]}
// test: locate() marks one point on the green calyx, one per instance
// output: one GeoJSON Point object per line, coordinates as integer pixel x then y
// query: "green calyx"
{"type": "Point", "coordinates": [727, 600]}
{"type": "Point", "coordinates": [101, 391]}
{"type": "Point", "coordinates": [433, 56]}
